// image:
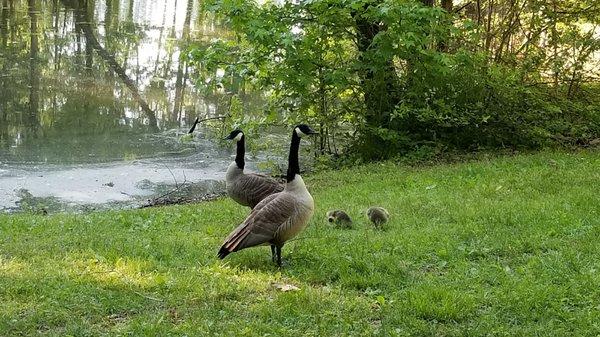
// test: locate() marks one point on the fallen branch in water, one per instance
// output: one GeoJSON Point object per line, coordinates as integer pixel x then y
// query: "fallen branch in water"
{"type": "Point", "coordinates": [178, 195]}
{"type": "Point", "coordinates": [168, 199]}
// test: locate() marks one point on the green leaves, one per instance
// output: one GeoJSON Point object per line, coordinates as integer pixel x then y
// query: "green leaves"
{"type": "Point", "coordinates": [397, 72]}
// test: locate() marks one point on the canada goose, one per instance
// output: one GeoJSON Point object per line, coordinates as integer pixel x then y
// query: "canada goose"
{"type": "Point", "coordinates": [339, 218]}
{"type": "Point", "coordinates": [280, 216]}
{"type": "Point", "coordinates": [247, 189]}
{"type": "Point", "coordinates": [378, 215]}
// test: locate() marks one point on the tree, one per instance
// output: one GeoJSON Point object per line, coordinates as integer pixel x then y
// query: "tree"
{"type": "Point", "coordinates": [401, 73]}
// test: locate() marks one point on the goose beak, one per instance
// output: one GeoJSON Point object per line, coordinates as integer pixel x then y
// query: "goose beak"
{"type": "Point", "coordinates": [312, 132]}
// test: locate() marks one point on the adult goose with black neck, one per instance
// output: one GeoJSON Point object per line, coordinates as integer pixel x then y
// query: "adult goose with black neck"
{"type": "Point", "coordinates": [280, 216]}
{"type": "Point", "coordinates": [247, 189]}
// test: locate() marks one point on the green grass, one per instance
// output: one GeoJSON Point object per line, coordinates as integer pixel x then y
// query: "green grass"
{"type": "Point", "coordinates": [504, 246]}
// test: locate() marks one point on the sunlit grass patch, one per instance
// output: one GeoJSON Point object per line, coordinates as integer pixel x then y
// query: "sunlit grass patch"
{"type": "Point", "coordinates": [12, 266]}
{"type": "Point", "coordinates": [123, 271]}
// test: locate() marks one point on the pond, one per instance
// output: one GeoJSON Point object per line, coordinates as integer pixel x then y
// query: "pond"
{"type": "Point", "coordinates": [94, 98]}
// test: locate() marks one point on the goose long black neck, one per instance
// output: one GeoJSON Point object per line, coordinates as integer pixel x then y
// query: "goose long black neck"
{"type": "Point", "coordinates": [240, 152]}
{"type": "Point", "coordinates": [293, 165]}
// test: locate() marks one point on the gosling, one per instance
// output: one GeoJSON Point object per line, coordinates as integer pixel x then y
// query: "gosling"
{"type": "Point", "coordinates": [339, 218]}
{"type": "Point", "coordinates": [378, 215]}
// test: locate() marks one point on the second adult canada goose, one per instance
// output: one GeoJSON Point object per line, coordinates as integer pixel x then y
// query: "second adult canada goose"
{"type": "Point", "coordinates": [280, 216]}
{"type": "Point", "coordinates": [247, 189]}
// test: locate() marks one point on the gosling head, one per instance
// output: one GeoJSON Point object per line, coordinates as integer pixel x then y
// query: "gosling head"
{"type": "Point", "coordinates": [235, 135]}
{"type": "Point", "coordinates": [330, 216]}
{"type": "Point", "coordinates": [378, 215]}
{"type": "Point", "coordinates": [339, 218]}
{"type": "Point", "coordinates": [303, 129]}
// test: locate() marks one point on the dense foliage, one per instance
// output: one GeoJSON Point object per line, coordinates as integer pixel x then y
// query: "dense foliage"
{"type": "Point", "coordinates": [396, 75]}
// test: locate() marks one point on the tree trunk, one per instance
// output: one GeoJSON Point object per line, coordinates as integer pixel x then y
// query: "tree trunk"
{"type": "Point", "coordinates": [83, 23]}
{"type": "Point", "coordinates": [34, 71]}
{"type": "Point", "coordinates": [488, 32]}
{"type": "Point", "coordinates": [447, 5]}
{"type": "Point", "coordinates": [4, 93]}
{"type": "Point", "coordinates": [160, 40]}
{"type": "Point", "coordinates": [4, 24]}
{"type": "Point", "coordinates": [443, 44]}
{"type": "Point", "coordinates": [379, 82]}
{"type": "Point", "coordinates": [554, 40]}
{"type": "Point", "coordinates": [182, 66]}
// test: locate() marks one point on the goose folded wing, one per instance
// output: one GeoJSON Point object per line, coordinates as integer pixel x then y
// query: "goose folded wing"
{"type": "Point", "coordinates": [256, 187]}
{"type": "Point", "coordinates": [262, 224]}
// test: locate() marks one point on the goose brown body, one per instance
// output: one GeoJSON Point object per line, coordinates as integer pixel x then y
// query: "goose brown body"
{"type": "Point", "coordinates": [278, 217]}
{"type": "Point", "coordinates": [248, 189]}
{"type": "Point", "coordinates": [275, 220]}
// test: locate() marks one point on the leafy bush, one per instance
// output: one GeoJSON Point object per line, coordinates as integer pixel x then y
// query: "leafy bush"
{"type": "Point", "coordinates": [397, 74]}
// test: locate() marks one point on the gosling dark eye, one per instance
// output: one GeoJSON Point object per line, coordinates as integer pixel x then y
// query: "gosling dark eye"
{"type": "Point", "coordinates": [330, 219]}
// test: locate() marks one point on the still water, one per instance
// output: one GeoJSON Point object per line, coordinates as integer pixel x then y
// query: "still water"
{"type": "Point", "coordinates": [93, 99]}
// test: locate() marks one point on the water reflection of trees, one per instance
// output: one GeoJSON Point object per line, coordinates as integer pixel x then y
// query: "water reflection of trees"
{"type": "Point", "coordinates": [72, 69]}
{"type": "Point", "coordinates": [34, 71]}
{"type": "Point", "coordinates": [83, 22]}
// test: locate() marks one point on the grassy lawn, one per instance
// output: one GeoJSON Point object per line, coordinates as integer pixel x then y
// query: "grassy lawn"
{"type": "Point", "coordinates": [505, 246]}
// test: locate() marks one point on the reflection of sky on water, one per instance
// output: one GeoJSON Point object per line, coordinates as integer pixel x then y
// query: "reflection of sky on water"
{"type": "Point", "coordinates": [154, 18]}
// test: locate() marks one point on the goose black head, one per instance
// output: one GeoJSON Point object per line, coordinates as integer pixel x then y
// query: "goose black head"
{"type": "Point", "coordinates": [235, 135]}
{"type": "Point", "coordinates": [303, 129]}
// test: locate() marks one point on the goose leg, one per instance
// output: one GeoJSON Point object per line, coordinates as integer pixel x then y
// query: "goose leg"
{"type": "Point", "coordinates": [273, 254]}
{"type": "Point", "coordinates": [278, 256]}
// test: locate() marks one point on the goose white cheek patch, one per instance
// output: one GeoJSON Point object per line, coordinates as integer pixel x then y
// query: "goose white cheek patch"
{"type": "Point", "coordinates": [238, 137]}
{"type": "Point", "coordinates": [299, 132]}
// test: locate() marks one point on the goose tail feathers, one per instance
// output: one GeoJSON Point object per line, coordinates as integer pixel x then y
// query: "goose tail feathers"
{"type": "Point", "coordinates": [223, 252]}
